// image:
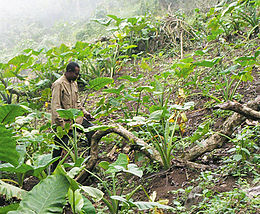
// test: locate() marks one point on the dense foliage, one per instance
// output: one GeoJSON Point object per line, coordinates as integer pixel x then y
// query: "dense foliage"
{"type": "Point", "coordinates": [147, 73]}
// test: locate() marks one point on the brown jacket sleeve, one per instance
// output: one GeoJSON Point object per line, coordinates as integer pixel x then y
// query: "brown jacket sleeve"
{"type": "Point", "coordinates": [56, 104]}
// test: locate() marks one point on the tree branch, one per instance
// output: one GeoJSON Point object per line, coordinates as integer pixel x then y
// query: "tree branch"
{"type": "Point", "coordinates": [146, 149]}
{"type": "Point", "coordinates": [241, 109]}
{"type": "Point", "coordinates": [218, 139]}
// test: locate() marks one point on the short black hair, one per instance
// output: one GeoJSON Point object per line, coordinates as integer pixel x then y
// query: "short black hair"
{"type": "Point", "coordinates": [71, 66]}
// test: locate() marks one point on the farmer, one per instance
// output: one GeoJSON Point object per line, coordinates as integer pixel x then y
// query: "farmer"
{"type": "Point", "coordinates": [65, 96]}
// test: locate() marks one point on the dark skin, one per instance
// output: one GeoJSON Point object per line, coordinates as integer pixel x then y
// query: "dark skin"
{"type": "Point", "coordinates": [72, 75]}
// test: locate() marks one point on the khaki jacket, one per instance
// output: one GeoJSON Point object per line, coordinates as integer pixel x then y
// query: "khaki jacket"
{"type": "Point", "coordinates": [64, 96]}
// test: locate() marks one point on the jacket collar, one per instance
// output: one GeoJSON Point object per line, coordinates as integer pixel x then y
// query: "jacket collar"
{"type": "Point", "coordinates": [64, 79]}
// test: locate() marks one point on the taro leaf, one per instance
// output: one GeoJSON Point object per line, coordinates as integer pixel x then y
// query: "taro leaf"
{"type": "Point", "coordinates": [117, 19]}
{"type": "Point", "coordinates": [8, 152]}
{"type": "Point", "coordinates": [88, 207]}
{"type": "Point", "coordinates": [33, 52]}
{"type": "Point", "coordinates": [156, 115]}
{"type": "Point", "coordinates": [143, 205]}
{"type": "Point", "coordinates": [11, 191]}
{"type": "Point", "coordinates": [205, 63]}
{"type": "Point", "coordinates": [73, 184]}
{"type": "Point", "coordinates": [42, 162]}
{"type": "Point", "coordinates": [93, 192]}
{"type": "Point", "coordinates": [99, 128]}
{"type": "Point", "coordinates": [49, 196]}
{"type": "Point", "coordinates": [8, 113]}
{"type": "Point", "coordinates": [19, 60]}
{"type": "Point", "coordinates": [8, 208]}
{"type": "Point", "coordinates": [23, 211]}
{"type": "Point", "coordinates": [115, 90]}
{"type": "Point", "coordinates": [122, 199]}
{"type": "Point", "coordinates": [104, 165]}
{"type": "Point", "coordinates": [130, 78]}
{"type": "Point", "coordinates": [145, 87]}
{"type": "Point", "coordinates": [133, 169]}
{"type": "Point", "coordinates": [62, 49]}
{"type": "Point", "coordinates": [76, 200]}
{"type": "Point", "coordinates": [237, 157]}
{"type": "Point", "coordinates": [119, 165]}
{"type": "Point", "coordinates": [186, 106]}
{"type": "Point", "coordinates": [43, 83]}
{"type": "Point", "coordinates": [102, 21]}
{"type": "Point", "coordinates": [21, 120]}
{"type": "Point", "coordinates": [70, 113]}
{"type": "Point", "coordinates": [22, 168]}
{"type": "Point", "coordinates": [199, 52]}
{"type": "Point", "coordinates": [100, 82]}
{"type": "Point", "coordinates": [73, 172]}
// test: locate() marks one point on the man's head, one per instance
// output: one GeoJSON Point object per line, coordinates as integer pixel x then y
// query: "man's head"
{"type": "Point", "coordinates": [72, 71]}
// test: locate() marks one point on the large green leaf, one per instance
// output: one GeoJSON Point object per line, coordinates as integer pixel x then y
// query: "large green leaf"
{"type": "Point", "coordinates": [19, 60]}
{"type": "Point", "coordinates": [8, 113]}
{"type": "Point", "coordinates": [41, 163]}
{"type": "Point", "coordinates": [144, 205]}
{"type": "Point", "coordinates": [156, 115]}
{"type": "Point", "coordinates": [70, 113]}
{"type": "Point", "coordinates": [100, 82]}
{"type": "Point", "coordinates": [22, 168]}
{"type": "Point", "coordinates": [8, 151]}
{"type": "Point", "coordinates": [133, 169]}
{"type": "Point", "coordinates": [141, 205]}
{"type": "Point", "coordinates": [93, 192]}
{"type": "Point", "coordinates": [49, 196]}
{"type": "Point", "coordinates": [99, 128]}
{"type": "Point", "coordinates": [76, 200]}
{"type": "Point", "coordinates": [120, 164]}
{"type": "Point", "coordinates": [10, 191]}
{"type": "Point", "coordinates": [8, 208]}
{"type": "Point", "coordinates": [88, 207]}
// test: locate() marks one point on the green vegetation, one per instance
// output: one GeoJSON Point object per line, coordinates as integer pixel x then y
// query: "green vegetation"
{"type": "Point", "coordinates": [161, 77]}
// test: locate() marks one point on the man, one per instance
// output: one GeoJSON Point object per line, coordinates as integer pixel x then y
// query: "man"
{"type": "Point", "coordinates": [65, 96]}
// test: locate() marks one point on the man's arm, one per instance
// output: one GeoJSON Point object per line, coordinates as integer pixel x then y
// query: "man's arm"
{"type": "Point", "coordinates": [56, 104]}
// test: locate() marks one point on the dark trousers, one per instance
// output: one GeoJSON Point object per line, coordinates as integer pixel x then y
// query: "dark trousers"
{"type": "Point", "coordinates": [65, 140]}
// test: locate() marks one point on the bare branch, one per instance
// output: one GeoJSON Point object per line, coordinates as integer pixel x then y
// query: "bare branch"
{"type": "Point", "coordinates": [241, 109]}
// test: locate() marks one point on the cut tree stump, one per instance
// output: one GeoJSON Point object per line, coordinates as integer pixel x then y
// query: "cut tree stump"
{"type": "Point", "coordinates": [218, 139]}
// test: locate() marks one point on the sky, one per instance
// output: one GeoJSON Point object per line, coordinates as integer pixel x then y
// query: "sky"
{"type": "Point", "coordinates": [16, 17]}
{"type": "Point", "coordinates": [46, 11]}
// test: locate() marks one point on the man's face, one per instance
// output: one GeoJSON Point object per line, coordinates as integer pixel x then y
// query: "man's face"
{"type": "Point", "coordinates": [72, 76]}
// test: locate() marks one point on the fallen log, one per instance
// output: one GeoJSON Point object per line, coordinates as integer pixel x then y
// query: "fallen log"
{"type": "Point", "coordinates": [149, 151]}
{"type": "Point", "coordinates": [218, 139]}
{"type": "Point", "coordinates": [241, 109]}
